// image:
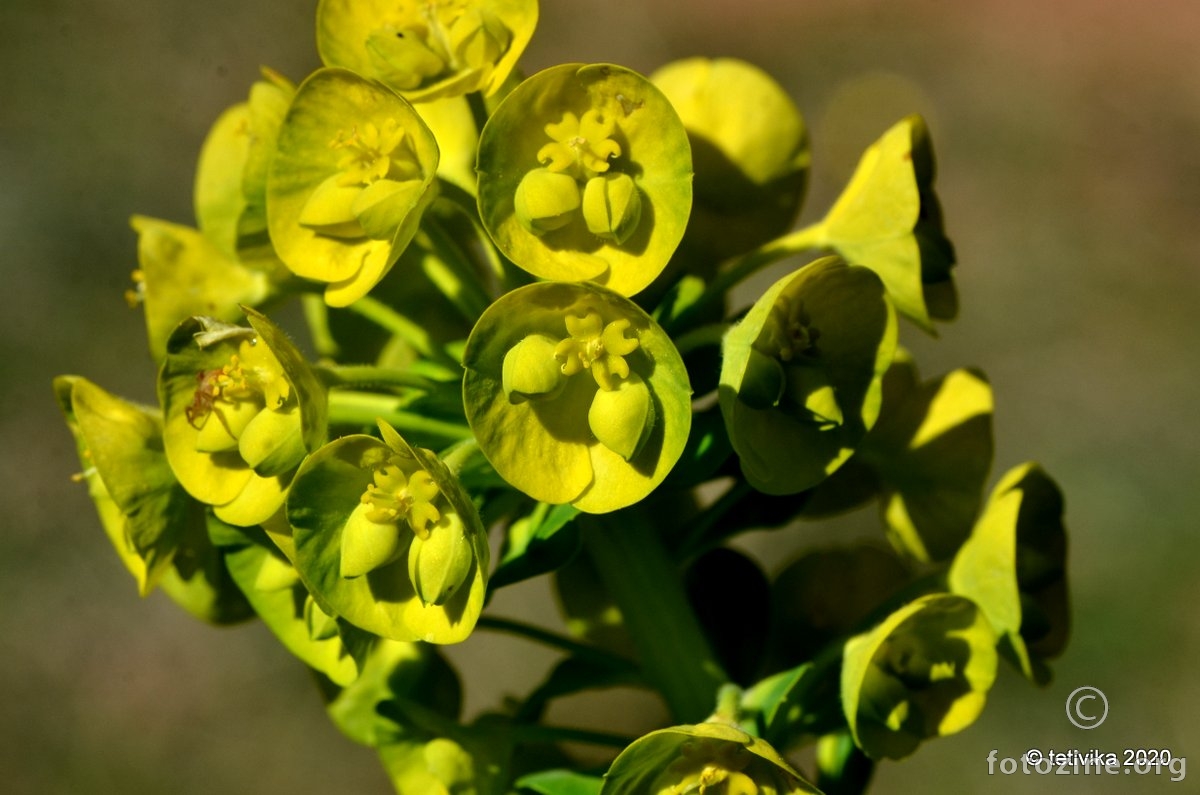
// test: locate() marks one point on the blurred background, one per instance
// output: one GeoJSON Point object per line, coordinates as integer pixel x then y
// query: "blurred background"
{"type": "Point", "coordinates": [1068, 140]}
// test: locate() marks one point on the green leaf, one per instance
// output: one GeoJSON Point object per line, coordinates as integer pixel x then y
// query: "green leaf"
{"type": "Point", "coordinates": [888, 219]}
{"type": "Point", "coordinates": [559, 782]}
{"type": "Point", "coordinates": [799, 702]}
{"type": "Point", "coordinates": [633, 132]}
{"type": "Point", "coordinates": [924, 672]}
{"type": "Point", "coordinates": [343, 131]}
{"type": "Point", "coordinates": [278, 596]}
{"type": "Point", "coordinates": [536, 544]}
{"type": "Point", "coordinates": [426, 54]}
{"type": "Point", "coordinates": [833, 334]}
{"type": "Point", "coordinates": [544, 446]}
{"type": "Point", "coordinates": [330, 485]}
{"type": "Point", "coordinates": [1014, 567]}
{"type": "Point", "coordinates": [394, 671]}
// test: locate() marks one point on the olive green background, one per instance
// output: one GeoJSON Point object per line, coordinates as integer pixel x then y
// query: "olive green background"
{"type": "Point", "coordinates": [1068, 136]}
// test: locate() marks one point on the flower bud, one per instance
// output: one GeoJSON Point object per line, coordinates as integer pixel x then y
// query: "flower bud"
{"type": "Point", "coordinates": [622, 418]}
{"type": "Point", "coordinates": [530, 370]}
{"type": "Point", "coordinates": [612, 207]}
{"type": "Point", "coordinates": [439, 564]}
{"type": "Point", "coordinates": [546, 200]}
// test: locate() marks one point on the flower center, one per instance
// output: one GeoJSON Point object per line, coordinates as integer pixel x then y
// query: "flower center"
{"type": "Point", "coordinates": [436, 39]}
{"type": "Point", "coordinates": [373, 153]}
{"type": "Point", "coordinates": [593, 345]}
{"type": "Point", "coordinates": [394, 496]}
{"type": "Point", "coordinates": [580, 146]}
{"type": "Point", "coordinates": [792, 334]}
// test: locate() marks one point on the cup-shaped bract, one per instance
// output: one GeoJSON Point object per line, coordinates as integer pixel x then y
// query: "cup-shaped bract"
{"type": "Point", "coordinates": [1014, 567]}
{"type": "Point", "coordinates": [427, 50]}
{"type": "Point", "coordinates": [182, 273]}
{"type": "Point", "coordinates": [354, 169]}
{"type": "Point", "coordinates": [924, 672]}
{"type": "Point", "coordinates": [931, 451]}
{"type": "Point", "coordinates": [749, 149]}
{"type": "Point", "coordinates": [387, 539]}
{"type": "Point", "coordinates": [156, 528]}
{"type": "Point", "coordinates": [585, 174]}
{"type": "Point", "coordinates": [231, 176]}
{"type": "Point", "coordinates": [242, 408]}
{"type": "Point", "coordinates": [576, 395]}
{"type": "Point", "coordinates": [801, 379]}
{"type": "Point", "coordinates": [707, 757]}
{"type": "Point", "coordinates": [888, 218]}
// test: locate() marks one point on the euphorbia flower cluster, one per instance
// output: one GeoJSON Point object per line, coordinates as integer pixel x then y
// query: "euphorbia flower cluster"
{"type": "Point", "coordinates": [515, 340]}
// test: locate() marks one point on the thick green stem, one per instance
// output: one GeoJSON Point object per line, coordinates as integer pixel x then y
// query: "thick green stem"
{"type": "Point", "coordinates": [347, 407]}
{"type": "Point", "coordinates": [648, 588]}
{"type": "Point", "coordinates": [746, 265]}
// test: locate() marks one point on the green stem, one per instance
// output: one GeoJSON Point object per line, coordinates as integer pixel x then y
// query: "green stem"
{"type": "Point", "coordinates": [389, 319]}
{"type": "Point", "coordinates": [555, 641]}
{"type": "Point", "coordinates": [460, 454]}
{"type": "Point", "coordinates": [647, 586]}
{"type": "Point", "coordinates": [452, 272]}
{"type": "Point", "coordinates": [537, 733]}
{"type": "Point", "coordinates": [697, 539]}
{"type": "Point", "coordinates": [371, 376]}
{"type": "Point", "coordinates": [347, 407]}
{"type": "Point", "coordinates": [316, 314]}
{"type": "Point", "coordinates": [747, 265]}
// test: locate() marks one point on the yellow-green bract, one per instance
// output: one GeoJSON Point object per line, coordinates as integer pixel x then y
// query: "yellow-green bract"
{"type": "Point", "coordinates": [889, 219]}
{"type": "Point", "coordinates": [157, 530]}
{"type": "Point", "coordinates": [801, 376]}
{"type": "Point", "coordinates": [231, 175]}
{"type": "Point", "coordinates": [242, 408]}
{"type": "Point", "coordinates": [931, 451]}
{"type": "Point", "coordinates": [182, 273]}
{"type": "Point", "coordinates": [576, 395]}
{"type": "Point", "coordinates": [1014, 566]}
{"type": "Point", "coordinates": [427, 50]}
{"type": "Point", "coordinates": [749, 148]}
{"type": "Point", "coordinates": [712, 757]}
{"type": "Point", "coordinates": [353, 171]}
{"type": "Point", "coordinates": [924, 672]}
{"type": "Point", "coordinates": [585, 174]}
{"type": "Point", "coordinates": [420, 555]}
